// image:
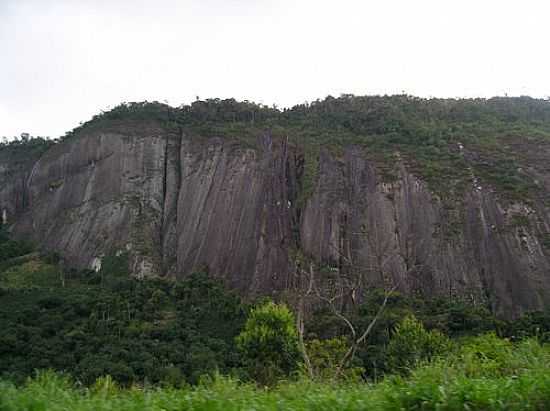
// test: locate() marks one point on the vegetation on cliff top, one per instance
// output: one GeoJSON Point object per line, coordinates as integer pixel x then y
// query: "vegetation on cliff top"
{"type": "Point", "coordinates": [21, 152]}
{"type": "Point", "coordinates": [451, 143]}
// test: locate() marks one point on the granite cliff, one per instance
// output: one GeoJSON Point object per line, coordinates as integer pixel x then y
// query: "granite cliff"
{"type": "Point", "coordinates": [179, 198]}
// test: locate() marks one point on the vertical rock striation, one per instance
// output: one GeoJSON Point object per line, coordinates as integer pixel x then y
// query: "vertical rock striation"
{"type": "Point", "coordinates": [178, 203]}
{"type": "Point", "coordinates": [98, 194]}
{"type": "Point", "coordinates": [234, 213]}
{"type": "Point", "coordinates": [401, 233]}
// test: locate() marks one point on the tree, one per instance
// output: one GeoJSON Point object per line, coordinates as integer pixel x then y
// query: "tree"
{"type": "Point", "coordinates": [347, 281]}
{"type": "Point", "coordinates": [412, 343]}
{"type": "Point", "coordinates": [325, 357]}
{"type": "Point", "coordinates": [364, 254]}
{"type": "Point", "coordinates": [269, 343]}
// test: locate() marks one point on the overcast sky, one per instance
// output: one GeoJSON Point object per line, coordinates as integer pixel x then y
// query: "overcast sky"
{"type": "Point", "coordinates": [62, 61]}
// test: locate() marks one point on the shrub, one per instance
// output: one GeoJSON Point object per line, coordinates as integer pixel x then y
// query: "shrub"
{"type": "Point", "coordinates": [412, 343]}
{"type": "Point", "coordinates": [326, 355]}
{"type": "Point", "coordinates": [269, 343]}
{"type": "Point", "coordinates": [485, 355]}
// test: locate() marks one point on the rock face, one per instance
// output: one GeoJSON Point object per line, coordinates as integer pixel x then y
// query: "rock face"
{"type": "Point", "coordinates": [177, 203]}
{"type": "Point", "coordinates": [15, 168]}
{"type": "Point", "coordinates": [234, 213]}
{"type": "Point", "coordinates": [401, 231]}
{"type": "Point", "coordinates": [100, 193]}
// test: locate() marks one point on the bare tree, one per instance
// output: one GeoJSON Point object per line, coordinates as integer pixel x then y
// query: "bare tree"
{"type": "Point", "coordinates": [351, 278]}
{"type": "Point", "coordinates": [302, 297]}
{"type": "Point", "coordinates": [332, 297]}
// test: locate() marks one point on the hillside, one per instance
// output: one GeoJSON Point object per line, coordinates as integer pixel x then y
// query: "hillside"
{"type": "Point", "coordinates": [153, 332]}
{"type": "Point", "coordinates": [441, 198]}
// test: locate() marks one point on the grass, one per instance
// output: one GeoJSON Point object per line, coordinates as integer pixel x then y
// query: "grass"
{"type": "Point", "coordinates": [485, 373]}
{"type": "Point", "coordinates": [34, 272]}
{"type": "Point", "coordinates": [427, 390]}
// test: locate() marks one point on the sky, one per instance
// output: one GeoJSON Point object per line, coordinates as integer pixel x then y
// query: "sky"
{"type": "Point", "coordinates": [62, 61]}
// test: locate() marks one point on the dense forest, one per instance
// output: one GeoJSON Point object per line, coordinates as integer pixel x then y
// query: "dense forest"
{"type": "Point", "coordinates": [113, 341]}
{"type": "Point", "coordinates": [91, 324]}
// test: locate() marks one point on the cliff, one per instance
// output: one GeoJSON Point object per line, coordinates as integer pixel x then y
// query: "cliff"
{"type": "Point", "coordinates": [179, 199]}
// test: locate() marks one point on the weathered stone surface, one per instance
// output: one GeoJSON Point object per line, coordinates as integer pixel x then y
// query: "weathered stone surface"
{"type": "Point", "coordinates": [178, 203]}
{"type": "Point", "coordinates": [401, 231]}
{"type": "Point", "coordinates": [14, 173]}
{"type": "Point", "coordinates": [97, 194]}
{"type": "Point", "coordinates": [233, 213]}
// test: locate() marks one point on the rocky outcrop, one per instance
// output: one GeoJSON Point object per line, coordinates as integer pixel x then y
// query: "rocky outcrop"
{"type": "Point", "coordinates": [234, 213]}
{"type": "Point", "coordinates": [15, 167]}
{"type": "Point", "coordinates": [178, 203]}
{"type": "Point", "coordinates": [100, 193]}
{"type": "Point", "coordinates": [400, 233]}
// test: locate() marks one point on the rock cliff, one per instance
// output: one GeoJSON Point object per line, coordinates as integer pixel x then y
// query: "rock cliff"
{"type": "Point", "coordinates": [177, 202]}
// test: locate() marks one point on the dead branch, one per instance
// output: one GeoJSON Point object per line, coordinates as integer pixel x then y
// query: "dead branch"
{"type": "Point", "coordinates": [350, 354]}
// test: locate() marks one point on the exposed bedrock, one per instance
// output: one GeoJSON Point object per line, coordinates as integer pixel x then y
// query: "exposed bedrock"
{"type": "Point", "coordinates": [14, 174]}
{"type": "Point", "coordinates": [177, 203]}
{"type": "Point", "coordinates": [234, 213]}
{"type": "Point", "coordinates": [399, 233]}
{"type": "Point", "coordinates": [98, 194]}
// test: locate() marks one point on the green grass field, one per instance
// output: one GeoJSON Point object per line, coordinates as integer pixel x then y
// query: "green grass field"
{"type": "Point", "coordinates": [425, 391]}
{"type": "Point", "coordinates": [483, 374]}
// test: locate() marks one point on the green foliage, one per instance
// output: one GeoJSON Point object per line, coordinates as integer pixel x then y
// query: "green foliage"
{"type": "Point", "coordinates": [532, 324]}
{"type": "Point", "coordinates": [135, 331]}
{"type": "Point", "coordinates": [92, 325]}
{"type": "Point", "coordinates": [30, 273]}
{"type": "Point", "coordinates": [128, 112]}
{"type": "Point", "coordinates": [451, 317]}
{"type": "Point", "coordinates": [440, 385]}
{"type": "Point", "coordinates": [411, 344]}
{"type": "Point", "coordinates": [20, 151]}
{"type": "Point", "coordinates": [114, 272]}
{"type": "Point", "coordinates": [486, 355]}
{"type": "Point", "coordinates": [269, 342]}
{"type": "Point", "coordinates": [95, 324]}
{"type": "Point", "coordinates": [479, 377]}
{"type": "Point", "coordinates": [545, 240]}
{"type": "Point", "coordinates": [10, 249]}
{"type": "Point", "coordinates": [460, 319]}
{"type": "Point", "coordinates": [428, 133]}
{"type": "Point", "coordinates": [326, 355]}
{"type": "Point", "coordinates": [444, 141]}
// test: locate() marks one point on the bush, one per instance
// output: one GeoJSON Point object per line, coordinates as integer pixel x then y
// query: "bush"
{"type": "Point", "coordinates": [325, 357]}
{"type": "Point", "coordinates": [411, 344]}
{"type": "Point", "coordinates": [533, 324]}
{"type": "Point", "coordinates": [269, 343]}
{"type": "Point", "coordinates": [485, 355]}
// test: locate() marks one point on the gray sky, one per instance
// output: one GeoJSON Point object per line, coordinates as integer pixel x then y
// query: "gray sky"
{"type": "Point", "coordinates": [62, 61]}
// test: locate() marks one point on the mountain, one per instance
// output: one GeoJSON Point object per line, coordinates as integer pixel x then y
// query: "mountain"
{"type": "Point", "coordinates": [442, 197]}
